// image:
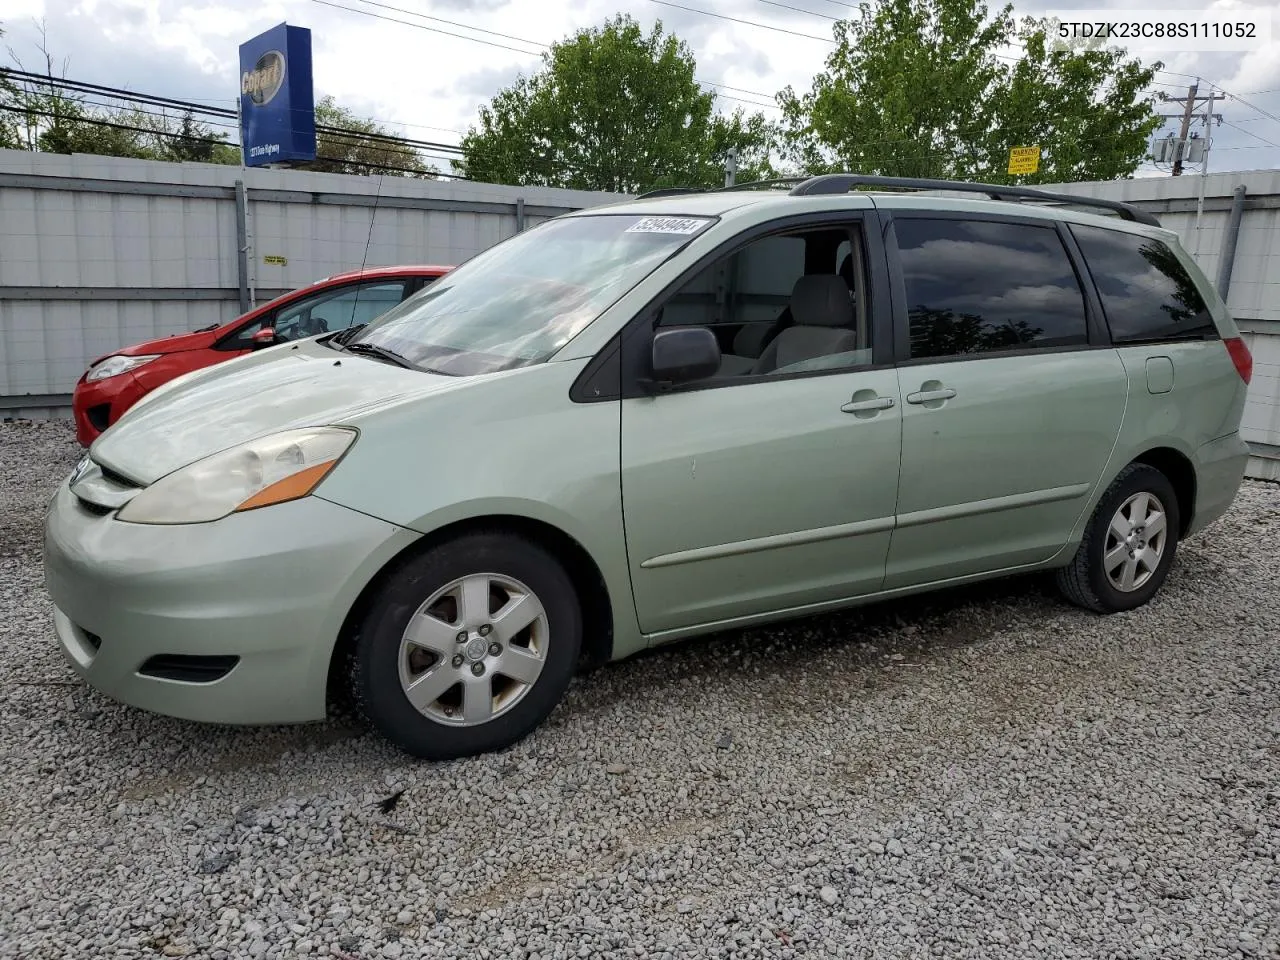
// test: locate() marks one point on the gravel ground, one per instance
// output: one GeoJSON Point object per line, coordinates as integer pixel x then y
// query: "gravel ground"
{"type": "Point", "coordinates": [982, 774]}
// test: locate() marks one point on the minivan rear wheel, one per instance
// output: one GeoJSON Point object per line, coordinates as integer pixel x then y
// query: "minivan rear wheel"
{"type": "Point", "coordinates": [1128, 545]}
{"type": "Point", "coordinates": [468, 647]}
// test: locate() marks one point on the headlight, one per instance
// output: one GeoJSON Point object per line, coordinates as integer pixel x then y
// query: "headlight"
{"type": "Point", "coordinates": [114, 366]}
{"type": "Point", "coordinates": [274, 469]}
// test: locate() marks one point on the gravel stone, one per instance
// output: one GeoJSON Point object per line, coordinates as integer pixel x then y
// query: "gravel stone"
{"type": "Point", "coordinates": [986, 773]}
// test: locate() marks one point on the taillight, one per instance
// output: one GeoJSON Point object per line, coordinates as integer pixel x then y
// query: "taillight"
{"type": "Point", "coordinates": [1241, 357]}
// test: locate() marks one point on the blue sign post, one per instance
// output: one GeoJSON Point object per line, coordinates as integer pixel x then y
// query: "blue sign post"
{"type": "Point", "coordinates": [277, 101]}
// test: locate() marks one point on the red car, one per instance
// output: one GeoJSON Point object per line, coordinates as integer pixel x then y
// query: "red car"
{"type": "Point", "coordinates": [114, 383]}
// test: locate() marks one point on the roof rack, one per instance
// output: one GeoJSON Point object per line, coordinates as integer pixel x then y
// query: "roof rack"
{"type": "Point", "coordinates": [745, 185]}
{"type": "Point", "coordinates": [831, 183]}
{"type": "Point", "coordinates": [754, 184]}
{"type": "Point", "coordinates": [670, 192]}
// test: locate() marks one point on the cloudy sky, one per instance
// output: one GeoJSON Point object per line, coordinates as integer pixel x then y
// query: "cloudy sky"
{"type": "Point", "coordinates": [423, 66]}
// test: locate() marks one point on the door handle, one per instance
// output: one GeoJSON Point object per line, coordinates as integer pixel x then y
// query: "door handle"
{"type": "Point", "coordinates": [928, 396]}
{"type": "Point", "coordinates": [861, 406]}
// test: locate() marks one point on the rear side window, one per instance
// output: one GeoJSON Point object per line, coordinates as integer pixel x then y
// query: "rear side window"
{"type": "Point", "coordinates": [979, 286]}
{"type": "Point", "coordinates": [1146, 292]}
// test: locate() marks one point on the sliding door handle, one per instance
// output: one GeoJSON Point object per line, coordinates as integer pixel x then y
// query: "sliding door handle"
{"type": "Point", "coordinates": [862, 406]}
{"type": "Point", "coordinates": [929, 396]}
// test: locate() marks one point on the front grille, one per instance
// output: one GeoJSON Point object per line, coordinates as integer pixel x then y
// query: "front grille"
{"type": "Point", "coordinates": [97, 509]}
{"type": "Point", "coordinates": [101, 490]}
{"type": "Point", "coordinates": [98, 416]}
{"type": "Point", "coordinates": [117, 479]}
{"type": "Point", "coordinates": [188, 669]}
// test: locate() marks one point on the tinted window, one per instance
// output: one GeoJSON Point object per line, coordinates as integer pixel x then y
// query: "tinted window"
{"type": "Point", "coordinates": [975, 286]}
{"type": "Point", "coordinates": [1146, 293]}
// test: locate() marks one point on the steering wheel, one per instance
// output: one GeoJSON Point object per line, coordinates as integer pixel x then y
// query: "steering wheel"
{"type": "Point", "coordinates": [316, 325]}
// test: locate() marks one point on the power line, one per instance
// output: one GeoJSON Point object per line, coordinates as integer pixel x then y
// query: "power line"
{"type": "Point", "coordinates": [1249, 147]}
{"type": "Point", "coordinates": [503, 46]}
{"type": "Point", "coordinates": [787, 6]}
{"type": "Point", "coordinates": [1251, 106]}
{"type": "Point", "coordinates": [196, 109]}
{"type": "Point", "coordinates": [215, 141]}
{"type": "Point", "coordinates": [191, 138]}
{"type": "Point", "coordinates": [451, 23]}
{"type": "Point", "coordinates": [84, 87]}
{"type": "Point", "coordinates": [1241, 100]}
{"type": "Point", "coordinates": [416, 144]}
{"type": "Point", "coordinates": [749, 23]}
{"type": "Point", "coordinates": [549, 164]}
{"type": "Point", "coordinates": [423, 26]}
{"type": "Point", "coordinates": [341, 138]}
{"type": "Point", "coordinates": [1269, 143]}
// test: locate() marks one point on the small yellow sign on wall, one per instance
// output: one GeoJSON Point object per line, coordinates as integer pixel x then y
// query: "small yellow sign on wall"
{"type": "Point", "coordinates": [1024, 159]}
{"type": "Point", "coordinates": [275, 259]}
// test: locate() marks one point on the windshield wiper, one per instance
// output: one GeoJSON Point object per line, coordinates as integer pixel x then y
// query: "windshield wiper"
{"type": "Point", "coordinates": [382, 353]}
{"type": "Point", "coordinates": [344, 335]}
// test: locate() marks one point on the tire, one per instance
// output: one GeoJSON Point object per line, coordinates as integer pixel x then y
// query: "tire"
{"type": "Point", "coordinates": [387, 667]}
{"type": "Point", "coordinates": [1086, 581]}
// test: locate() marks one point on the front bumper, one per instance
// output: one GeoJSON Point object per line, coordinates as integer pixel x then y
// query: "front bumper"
{"type": "Point", "coordinates": [270, 587]}
{"type": "Point", "coordinates": [97, 405]}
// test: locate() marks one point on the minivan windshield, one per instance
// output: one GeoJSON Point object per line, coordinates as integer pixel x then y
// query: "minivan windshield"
{"type": "Point", "coordinates": [520, 301]}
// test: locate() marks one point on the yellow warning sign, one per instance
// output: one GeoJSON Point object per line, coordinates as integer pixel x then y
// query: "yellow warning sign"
{"type": "Point", "coordinates": [275, 260]}
{"type": "Point", "coordinates": [1024, 159]}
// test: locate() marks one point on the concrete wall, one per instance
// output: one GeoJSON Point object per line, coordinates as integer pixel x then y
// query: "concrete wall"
{"type": "Point", "coordinates": [99, 252]}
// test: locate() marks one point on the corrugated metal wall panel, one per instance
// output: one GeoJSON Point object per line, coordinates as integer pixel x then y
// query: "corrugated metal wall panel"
{"type": "Point", "coordinates": [1261, 421]}
{"type": "Point", "coordinates": [46, 345]}
{"type": "Point", "coordinates": [79, 236]}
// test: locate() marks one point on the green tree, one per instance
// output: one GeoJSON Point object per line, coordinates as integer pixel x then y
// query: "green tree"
{"type": "Point", "coordinates": [613, 109]}
{"type": "Point", "coordinates": [48, 119]}
{"type": "Point", "coordinates": [195, 142]}
{"type": "Point", "coordinates": [58, 123]}
{"type": "Point", "coordinates": [353, 151]}
{"type": "Point", "coordinates": [920, 88]}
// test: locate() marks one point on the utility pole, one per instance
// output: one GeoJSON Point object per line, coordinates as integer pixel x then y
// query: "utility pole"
{"type": "Point", "coordinates": [1189, 104]}
{"type": "Point", "coordinates": [731, 167]}
{"type": "Point", "coordinates": [1186, 129]}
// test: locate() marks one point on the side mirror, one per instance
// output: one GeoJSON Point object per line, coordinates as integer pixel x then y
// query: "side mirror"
{"type": "Point", "coordinates": [264, 338]}
{"type": "Point", "coordinates": [684, 354]}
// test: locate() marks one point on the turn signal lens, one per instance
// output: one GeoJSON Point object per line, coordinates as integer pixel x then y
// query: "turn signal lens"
{"type": "Point", "coordinates": [290, 488]}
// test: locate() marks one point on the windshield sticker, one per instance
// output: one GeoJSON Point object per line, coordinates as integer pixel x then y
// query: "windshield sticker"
{"type": "Point", "coordinates": [680, 225]}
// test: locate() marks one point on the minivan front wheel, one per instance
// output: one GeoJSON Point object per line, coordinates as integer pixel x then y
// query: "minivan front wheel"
{"type": "Point", "coordinates": [467, 647]}
{"type": "Point", "coordinates": [1128, 545]}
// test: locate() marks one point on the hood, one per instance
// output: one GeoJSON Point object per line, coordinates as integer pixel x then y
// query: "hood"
{"type": "Point", "coordinates": [175, 343]}
{"type": "Point", "coordinates": [277, 389]}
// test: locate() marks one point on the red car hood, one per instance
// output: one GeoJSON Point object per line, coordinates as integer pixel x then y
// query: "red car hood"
{"type": "Point", "coordinates": [175, 343]}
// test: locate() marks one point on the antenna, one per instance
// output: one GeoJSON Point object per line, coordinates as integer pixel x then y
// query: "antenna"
{"type": "Point", "coordinates": [368, 240]}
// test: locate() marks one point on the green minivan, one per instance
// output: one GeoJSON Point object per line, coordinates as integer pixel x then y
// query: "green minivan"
{"type": "Point", "coordinates": [649, 420]}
